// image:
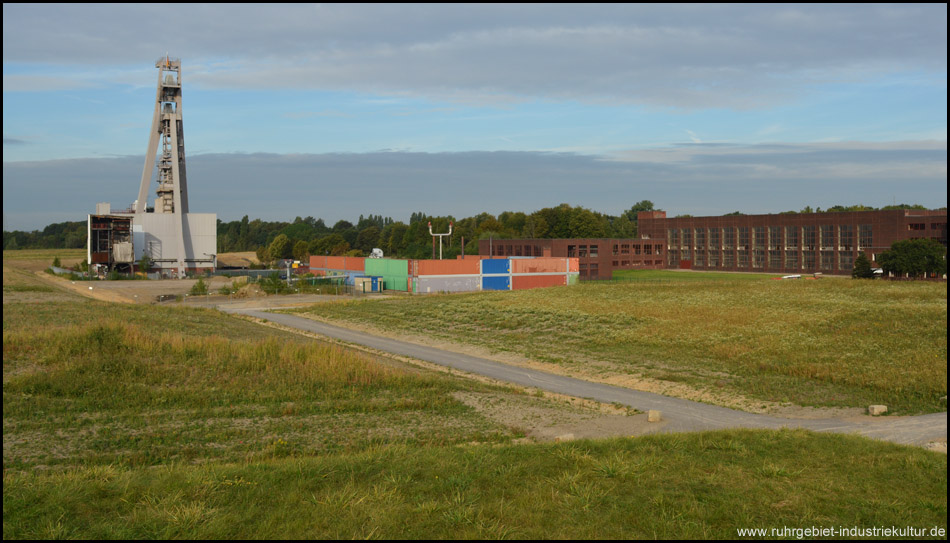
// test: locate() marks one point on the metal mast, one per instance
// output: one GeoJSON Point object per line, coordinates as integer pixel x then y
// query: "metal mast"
{"type": "Point", "coordinates": [172, 191]}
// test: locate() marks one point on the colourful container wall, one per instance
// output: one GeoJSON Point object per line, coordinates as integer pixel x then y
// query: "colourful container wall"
{"type": "Point", "coordinates": [461, 283]}
{"type": "Point", "coordinates": [445, 267]}
{"type": "Point", "coordinates": [539, 265]}
{"type": "Point", "coordinates": [496, 265]}
{"type": "Point", "coordinates": [496, 283]}
{"type": "Point", "coordinates": [523, 282]}
{"type": "Point", "coordinates": [575, 264]}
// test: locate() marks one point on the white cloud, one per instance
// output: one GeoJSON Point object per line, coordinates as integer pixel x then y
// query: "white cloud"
{"type": "Point", "coordinates": [693, 56]}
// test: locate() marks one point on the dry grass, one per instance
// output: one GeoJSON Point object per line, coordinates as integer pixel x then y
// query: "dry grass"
{"type": "Point", "coordinates": [832, 342]}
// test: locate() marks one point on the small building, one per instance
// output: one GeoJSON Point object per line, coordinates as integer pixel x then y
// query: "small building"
{"type": "Point", "coordinates": [110, 246]}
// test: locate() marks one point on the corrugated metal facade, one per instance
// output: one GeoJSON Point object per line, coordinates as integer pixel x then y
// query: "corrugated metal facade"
{"type": "Point", "coordinates": [435, 276]}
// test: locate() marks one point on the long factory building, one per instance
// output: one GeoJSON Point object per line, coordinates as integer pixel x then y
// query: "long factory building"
{"type": "Point", "coordinates": [826, 243]}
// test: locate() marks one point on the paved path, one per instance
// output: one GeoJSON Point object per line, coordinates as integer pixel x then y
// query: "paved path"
{"type": "Point", "coordinates": [679, 415]}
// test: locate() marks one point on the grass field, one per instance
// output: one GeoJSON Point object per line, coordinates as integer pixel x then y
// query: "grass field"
{"type": "Point", "coordinates": [829, 342]}
{"type": "Point", "coordinates": [679, 487]}
{"type": "Point", "coordinates": [132, 422]}
{"type": "Point", "coordinates": [135, 386]}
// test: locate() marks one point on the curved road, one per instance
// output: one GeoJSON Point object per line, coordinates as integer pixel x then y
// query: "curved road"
{"type": "Point", "coordinates": [678, 415]}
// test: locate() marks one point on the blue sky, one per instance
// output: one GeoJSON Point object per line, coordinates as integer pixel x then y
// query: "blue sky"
{"type": "Point", "coordinates": [458, 109]}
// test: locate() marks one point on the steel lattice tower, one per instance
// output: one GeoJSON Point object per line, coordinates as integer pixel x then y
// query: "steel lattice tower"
{"type": "Point", "coordinates": [172, 191]}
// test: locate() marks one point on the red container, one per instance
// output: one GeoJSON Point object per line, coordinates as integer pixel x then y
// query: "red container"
{"type": "Point", "coordinates": [446, 267]}
{"type": "Point", "coordinates": [522, 282]}
{"type": "Point", "coordinates": [538, 265]}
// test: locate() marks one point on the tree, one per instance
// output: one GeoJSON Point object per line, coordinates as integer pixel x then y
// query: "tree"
{"type": "Point", "coordinates": [199, 288]}
{"type": "Point", "coordinates": [914, 258]}
{"type": "Point", "coordinates": [301, 252]}
{"type": "Point", "coordinates": [281, 247]}
{"type": "Point", "coordinates": [862, 268]}
{"type": "Point", "coordinates": [145, 263]}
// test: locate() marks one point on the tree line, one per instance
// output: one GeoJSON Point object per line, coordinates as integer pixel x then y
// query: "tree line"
{"type": "Point", "coordinates": [310, 236]}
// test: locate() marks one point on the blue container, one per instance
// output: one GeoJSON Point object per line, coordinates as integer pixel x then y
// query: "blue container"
{"type": "Point", "coordinates": [496, 282]}
{"type": "Point", "coordinates": [496, 265]}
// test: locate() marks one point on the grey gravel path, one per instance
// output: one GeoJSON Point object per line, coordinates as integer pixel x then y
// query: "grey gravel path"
{"type": "Point", "coordinates": [678, 415]}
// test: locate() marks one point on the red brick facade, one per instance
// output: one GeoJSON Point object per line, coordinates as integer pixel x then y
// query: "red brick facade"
{"type": "Point", "coordinates": [785, 243]}
{"type": "Point", "coordinates": [788, 243]}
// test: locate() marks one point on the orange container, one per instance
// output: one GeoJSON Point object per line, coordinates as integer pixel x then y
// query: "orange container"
{"type": "Point", "coordinates": [538, 265]}
{"type": "Point", "coordinates": [318, 262]}
{"type": "Point", "coordinates": [348, 263]}
{"type": "Point", "coordinates": [522, 282]}
{"type": "Point", "coordinates": [574, 265]}
{"type": "Point", "coordinates": [446, 267]}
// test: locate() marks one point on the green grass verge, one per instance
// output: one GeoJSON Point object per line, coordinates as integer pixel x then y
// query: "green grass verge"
{"type": "Point", "coordinates": [697, 486]}
{"type": "Point", "coordinates": [95, 383]}
{"type": "Point", "coordinates": [830, 342]}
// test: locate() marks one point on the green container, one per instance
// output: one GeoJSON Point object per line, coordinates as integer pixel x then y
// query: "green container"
{"type": "Point", "coordinates": [395, 273]}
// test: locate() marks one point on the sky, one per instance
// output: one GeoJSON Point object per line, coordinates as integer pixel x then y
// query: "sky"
{"type": "Point", "coordinates": [334, 110]}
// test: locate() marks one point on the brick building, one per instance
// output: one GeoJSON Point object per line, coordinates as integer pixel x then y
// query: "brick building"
{"type": "Point", "coordinates": [788, 243]}
{"type": "Point", "coordinates": [784, 243]}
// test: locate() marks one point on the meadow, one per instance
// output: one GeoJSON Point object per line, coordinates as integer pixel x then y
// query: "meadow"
{"type": "Point", "coordinates": [832, 342]}
{"type": "Point", "coordinates": [146, 421]}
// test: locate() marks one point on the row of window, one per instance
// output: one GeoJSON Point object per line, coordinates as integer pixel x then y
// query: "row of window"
{"type": "Point", "coordinates": [811, 237]}
{"type": "Point", "coordinates": [761, 259]}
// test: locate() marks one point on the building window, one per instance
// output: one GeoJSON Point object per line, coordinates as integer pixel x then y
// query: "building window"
{"type": "Point", "coordinates": [775, 260]}
{"type": "Point", "coordinates": [775, 237]}
{"type": "Point", "coordinates": [636, 249]}
{"type": "Point", "coordinates": [743, 258]}
{"type": "Point", "coordinates": [700, 237]}
{"type": "Point", "coordinates": [674, 237]}
{"type": "Point", "coordinates": [792, 237]}
{"type": "Point", "coordinates": [729, 238]}
{"type": "Point", "coordinates": [625, 249]}
{"type": "Point", "coordinates": [810, 235]}
{"type": "Point", "coordinates": [714, 258]}
{"type": "Point", "coordinates": [916, 226]}
{"type": "Point", "coordinates": [846, 237]}
{"type": "Point", "coordinates": [845, 261]}
{"type": "Point", "coordinates": [865, 236]}
{"type": "Point", "coordinates": [687, 238]}
{"type": "Point", "coordinates": [572, 251]}
{"type": "Point", "coordinates": [791, 260]}
{"type": "Point", "coordinates": [728, 259]}
{"type": "Point", "coordinates": [715, 238]}
{"type": "Point", "coordinates": [758, 258]}
{"type": "Point", "coordinates": [743, 239]}
{"type": "Point", "coordinates": [616, 249]}
{"type": "Point", "coordinates": [759, 238]}
{"type": "Point", "coordinates": [827, 260]}
{"type": "Point", "coordinates": [594, 251]}
{"type": "Point", "coordinates": [582, 251]}
{"type": "Point", "coordinates": [827, 237]}
{"type": "Point", "coordinates": [808, 258]}
{"type": "Point", "coordinates": [700, 259]}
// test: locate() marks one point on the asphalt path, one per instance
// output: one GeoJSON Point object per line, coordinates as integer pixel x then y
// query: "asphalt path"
{"type": "Point", "coordinates": [678, 415]}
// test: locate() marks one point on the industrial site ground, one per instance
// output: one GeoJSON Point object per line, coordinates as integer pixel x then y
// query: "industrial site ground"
{"type": "Point", "coordinates": [140, 420]}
